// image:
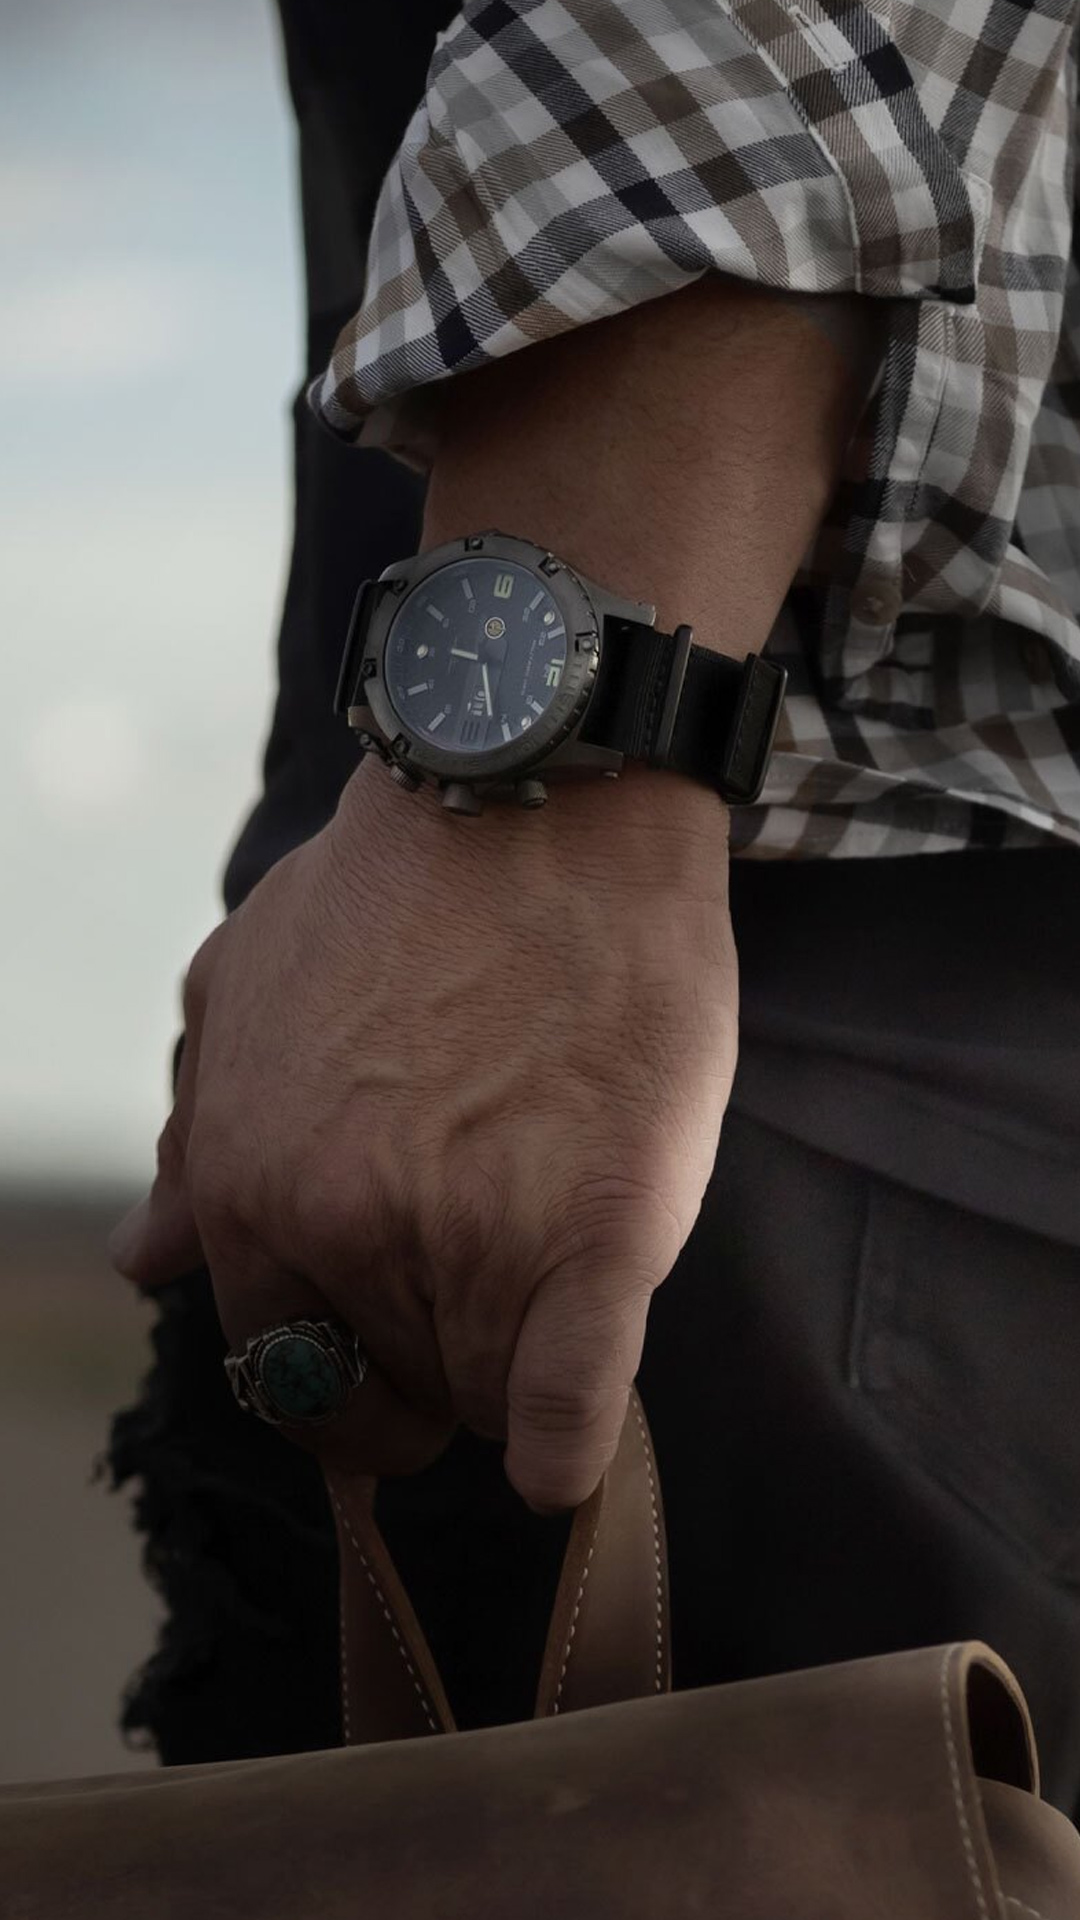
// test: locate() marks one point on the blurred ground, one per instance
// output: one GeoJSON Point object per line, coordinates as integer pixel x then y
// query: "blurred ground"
{"type": "Point", "coordinates": [75, 1614]}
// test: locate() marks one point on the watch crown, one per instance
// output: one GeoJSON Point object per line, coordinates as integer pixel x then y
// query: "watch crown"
{"type": "Point", "coordinates": [404, 778]}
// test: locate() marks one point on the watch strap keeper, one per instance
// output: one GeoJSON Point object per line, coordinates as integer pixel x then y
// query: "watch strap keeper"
{"type": "Point", "coordinates": [661, 699]}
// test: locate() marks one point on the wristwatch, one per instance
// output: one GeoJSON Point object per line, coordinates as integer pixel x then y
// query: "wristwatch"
{"type": "Point", "coordinates": [489, 662]}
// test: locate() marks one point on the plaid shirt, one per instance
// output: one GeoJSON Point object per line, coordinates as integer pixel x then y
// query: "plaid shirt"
{"type": "Point", "coordinates": [573, 157]}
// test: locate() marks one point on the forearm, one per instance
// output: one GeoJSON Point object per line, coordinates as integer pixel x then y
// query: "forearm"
{"type": "Point", "coordinates": [682, 453]}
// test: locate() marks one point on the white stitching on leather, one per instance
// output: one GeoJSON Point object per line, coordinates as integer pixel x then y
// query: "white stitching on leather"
{"type": "Point", "coordinates": [1020, 1907]}
{"type": "Point", "coordinates": [425, 1701]}
{"type": "Point", "coordinates": [656, 1550]}
{"type": "Point", "coordinates": [574, 1621]}
{"type": "Point", "coordinates": [346, 1724]}
{"type": "Point", "coordinates": [958, 1796]}
{"type": "Point", "coordinates": [659, 1575]}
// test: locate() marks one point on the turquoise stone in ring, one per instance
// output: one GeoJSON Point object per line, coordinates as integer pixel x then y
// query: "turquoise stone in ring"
{"type": "Point", "coordinates": [298, 1373]}
{"type": "Point", "coordinates": [300, 1378]}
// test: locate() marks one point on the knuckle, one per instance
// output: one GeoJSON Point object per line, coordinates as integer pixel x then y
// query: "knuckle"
{"type": "Point", "coordinates": [622, 1221]}
{"type": "Point", "coordinates": [329, 1199]}
{"type": "Point", "coordinates": [563, 1436]}
{"type": "Point", "coordinates": [172, 1151]}
{"type": "Point", "coordinates": [335, 1214]}
{"type": "Point", "coordinates": [341, 1213]}
{"type": "Point", "coordinates": [548, 1491]}
{"type": "Point", "coordinates": [477, 1372]}
{"type": "Point", "coordinates": [468, 1224]}
{"type": "Point", "coordinates": [614, 1195]}
{"type": "Point", "coordinates": [482, 1404]}
{"type": "Point", "coordinates": [215, 1191]}
{"type": "Point", "coordinates": [474, 1328]}
{"type": "Point", "coordinates": [556, 1407]}
{"type": "Point", "coordinates": [559, 1470]}
{"type": "Point", "coordinates": [191, 999]}
{"type": "Point", "coordinates": [197, 977]}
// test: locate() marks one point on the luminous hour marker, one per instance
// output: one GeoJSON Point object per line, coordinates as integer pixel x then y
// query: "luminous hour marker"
{"type": "Point", "coordinates": [466, 588]}
{"type": "Point", "coordinates": [506, 730]}
{"type": "Point", "coordinates": [436, 614]}
{"type": "Point", "coordinates": [533, 604]}
{"type": "Point", "coordinates": [549, 615]}
{"type": "Point", "coordinates": [423, 650]}
{"type": "Point", "coordinates": [421, 687]}
{"type": "Point", "coordinates": [535, 705]}
{"type": "Point", "coordinates": [556, 633]}
{"type": "Point", "coordinates": [438, 720]}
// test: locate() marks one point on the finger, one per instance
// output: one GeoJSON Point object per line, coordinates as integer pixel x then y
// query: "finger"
{"type": "Point", "coordinates": [478, 1331]}
{"type": "Point", "coordinates": [379, 1431]}
{"type": "Point", "coordinates": [158, 1240]}
{"type": "Point", "coordinates": [569, 1386]}
{"type": "Point", "coordinates": [393, 1315]}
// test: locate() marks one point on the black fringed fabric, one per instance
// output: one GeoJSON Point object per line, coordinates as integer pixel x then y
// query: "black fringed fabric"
{"type": "Point", "coordinates": [239, 1544]}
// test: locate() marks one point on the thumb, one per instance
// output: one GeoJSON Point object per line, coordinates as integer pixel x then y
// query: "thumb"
{"type": "Point", "coordinates": [577, 1352]}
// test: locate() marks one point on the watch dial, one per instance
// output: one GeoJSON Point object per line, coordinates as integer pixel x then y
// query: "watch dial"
{"type": "Point", "coordinates": [475, 655]}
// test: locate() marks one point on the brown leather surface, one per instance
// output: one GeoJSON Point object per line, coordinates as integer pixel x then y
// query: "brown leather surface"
{"type": "Point", "coordinates": [833, 1794]}
{"type": "Point", "coordinates": [901, 1788]}
{"type": "Point", "coordinates": [1037, 1852]}
{"type": "Point", "coordinates": [390, 1688]}
{"type": "Point", "coordinates": [610, 1628]}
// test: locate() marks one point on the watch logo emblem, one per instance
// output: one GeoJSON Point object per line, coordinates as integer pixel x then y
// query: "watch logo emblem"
{"type": "Point", "coordinates": [494, 628]}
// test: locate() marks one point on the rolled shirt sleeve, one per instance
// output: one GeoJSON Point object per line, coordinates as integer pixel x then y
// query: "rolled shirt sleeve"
{"type": "Point", "coordinates": [574, 157]}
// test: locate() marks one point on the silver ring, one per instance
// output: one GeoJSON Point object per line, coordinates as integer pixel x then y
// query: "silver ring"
{"type": "Point", "coordinates": [300, 1373]}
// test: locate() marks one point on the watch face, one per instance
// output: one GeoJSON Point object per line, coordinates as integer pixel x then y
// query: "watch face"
{"type": "Point", "coordinates": [474, 655]}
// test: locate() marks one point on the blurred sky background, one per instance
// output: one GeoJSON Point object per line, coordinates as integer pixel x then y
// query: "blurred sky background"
{"type": "Point", "coordinates": [150, 342]}
{"type": "Point", "coordinates": [149, 346]}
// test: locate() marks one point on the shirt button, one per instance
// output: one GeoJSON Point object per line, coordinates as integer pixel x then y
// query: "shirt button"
{"type": "Point", "coordinates": [879, 606]}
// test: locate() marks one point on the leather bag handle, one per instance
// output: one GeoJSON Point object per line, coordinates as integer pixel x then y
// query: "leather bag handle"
{"type": "Point", "coordinates": [609, 1637]}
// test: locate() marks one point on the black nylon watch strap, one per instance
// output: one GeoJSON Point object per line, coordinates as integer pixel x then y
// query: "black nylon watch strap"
{"type": "Point", "coordinates": [721, 720]}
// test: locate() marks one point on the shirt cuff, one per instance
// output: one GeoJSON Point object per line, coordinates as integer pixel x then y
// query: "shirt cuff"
{"type": "Point", "coordinates": [572, 158]}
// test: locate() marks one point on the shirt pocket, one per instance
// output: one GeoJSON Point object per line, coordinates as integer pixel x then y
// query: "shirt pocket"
{"type": "Point", "coordinates": [966, 1339]}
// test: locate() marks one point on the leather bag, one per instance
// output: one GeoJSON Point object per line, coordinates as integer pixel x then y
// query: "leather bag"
{"type": "Point", "coordinates": [896, 1788]}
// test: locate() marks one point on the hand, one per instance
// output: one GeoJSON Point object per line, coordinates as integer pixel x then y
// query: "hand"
{"type": "Point", "coordinates": [462, 1083]}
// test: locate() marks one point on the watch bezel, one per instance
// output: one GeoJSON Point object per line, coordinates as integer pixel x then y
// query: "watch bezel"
{"type": "Point", "coordinates": [584, 639]}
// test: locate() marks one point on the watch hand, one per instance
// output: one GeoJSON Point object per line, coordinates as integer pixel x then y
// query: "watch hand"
{"type": "Point", "coordinates": [487, 688]}
{"type": "Point", "coordinates": [462, 655]}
